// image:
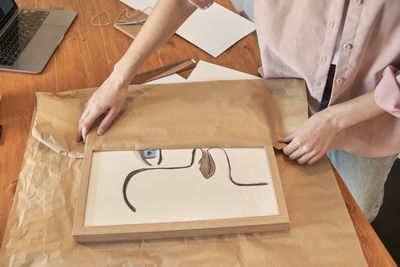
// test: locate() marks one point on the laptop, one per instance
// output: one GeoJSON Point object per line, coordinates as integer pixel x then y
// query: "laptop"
{"type": "Point", "coordinates": [29, 36]}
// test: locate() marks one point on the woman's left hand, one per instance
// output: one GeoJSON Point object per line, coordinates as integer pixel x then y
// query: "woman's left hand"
{"type": "Point", "coordinates": [313, 139]}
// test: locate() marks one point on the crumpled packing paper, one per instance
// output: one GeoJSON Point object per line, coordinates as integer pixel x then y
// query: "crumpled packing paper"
{"type": "Point", "coordinates": [229, 113]}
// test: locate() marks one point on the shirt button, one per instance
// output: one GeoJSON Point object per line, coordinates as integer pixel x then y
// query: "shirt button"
{"type": "Point", "coordinates": [318, 84]}
{"type": "Point", "coordinates": [323, 59]}
{"type": "Point", "coordinates": [331, 24]}
{"type": "Point", "coordinates": [359, 2]}
{"type": "Point", "coordinates": [339, 80]}
{"type": "Point", "coordinates": [348, 46]}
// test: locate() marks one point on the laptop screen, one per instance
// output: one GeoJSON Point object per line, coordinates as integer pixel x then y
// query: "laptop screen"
{"type": "Point", "coordinates": [7, 7]}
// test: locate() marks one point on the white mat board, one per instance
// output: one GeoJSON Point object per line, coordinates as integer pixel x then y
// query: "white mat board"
{"type": "Point", "coordinates": [179, 195]}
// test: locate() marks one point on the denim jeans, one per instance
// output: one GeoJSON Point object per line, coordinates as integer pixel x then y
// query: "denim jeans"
{"type": "Point", "coordinates": [365, 178]}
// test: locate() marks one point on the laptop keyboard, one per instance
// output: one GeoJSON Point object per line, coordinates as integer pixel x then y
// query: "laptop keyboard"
{"type": "Point", "coordinates": [19, 33]}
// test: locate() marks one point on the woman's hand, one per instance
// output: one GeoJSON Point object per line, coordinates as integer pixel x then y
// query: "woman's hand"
{"type": "Point", "coordinates": [321, 132]}
{"type": "Point", "coordinates": [313, 139]}
{"type": "Point", "coordinates": [165, 18]}
{"type": "Point", "coordinates": [109, 98]}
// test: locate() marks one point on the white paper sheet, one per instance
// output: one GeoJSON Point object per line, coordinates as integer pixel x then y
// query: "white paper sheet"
{"type": "Point", "coordinates": [174, 78]}
{"type": "Point", "coordinates": [206, 71]}
{"type": "Point", "coordinates": [213, 30]}
{"type": "Point", "coordinates": [182, 194]}
{"type": "Point", "coordinates": [143, 5]}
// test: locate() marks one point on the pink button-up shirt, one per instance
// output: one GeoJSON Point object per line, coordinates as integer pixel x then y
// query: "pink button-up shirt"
{"type": "Point", "coordinates": [297, 39]}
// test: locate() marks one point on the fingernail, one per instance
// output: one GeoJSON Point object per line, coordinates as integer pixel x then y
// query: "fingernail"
{"type": "Point", "coordinates": [100, 131]}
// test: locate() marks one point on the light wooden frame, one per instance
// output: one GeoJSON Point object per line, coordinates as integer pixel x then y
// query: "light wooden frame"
{"type": "Point", "coordinates": [162, 230]}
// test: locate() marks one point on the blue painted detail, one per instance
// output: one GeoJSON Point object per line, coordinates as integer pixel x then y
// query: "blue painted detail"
{"type": "Point", "coordinates": [150, 154]}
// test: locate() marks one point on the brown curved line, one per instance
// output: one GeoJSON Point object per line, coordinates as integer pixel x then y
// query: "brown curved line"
{"type": "Point", "coordinates": [131, 174]}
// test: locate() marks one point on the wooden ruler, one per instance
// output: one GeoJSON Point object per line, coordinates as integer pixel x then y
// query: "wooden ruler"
{"type": "Point", "coordinates": [163, 71]}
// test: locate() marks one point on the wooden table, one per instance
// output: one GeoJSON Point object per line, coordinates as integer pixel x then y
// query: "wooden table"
{"type": "Point", "coordinates": [84, 59]}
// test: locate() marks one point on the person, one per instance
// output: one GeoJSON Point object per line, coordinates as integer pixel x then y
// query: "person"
{"type": "Point", "coordinates": [348, 53]}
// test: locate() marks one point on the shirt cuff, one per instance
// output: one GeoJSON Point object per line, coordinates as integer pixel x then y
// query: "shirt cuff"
{"type": "Point", "coordinates": [387, 92]}
{"type": "Point", "coordinates": [203, 4]}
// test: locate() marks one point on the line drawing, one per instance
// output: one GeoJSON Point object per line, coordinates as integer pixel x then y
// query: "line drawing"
{"type": "Point", "coordinates": [207, 168]}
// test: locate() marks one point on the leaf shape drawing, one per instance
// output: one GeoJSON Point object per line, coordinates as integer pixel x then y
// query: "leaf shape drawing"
{"type": "Point", "coordinates": [207, 164]}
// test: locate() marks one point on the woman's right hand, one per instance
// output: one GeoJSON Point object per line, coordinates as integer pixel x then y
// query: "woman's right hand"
{"type": "Point", "coordinates": [165, 18]}
{"type": "Point", "coordinates": [108, 98]}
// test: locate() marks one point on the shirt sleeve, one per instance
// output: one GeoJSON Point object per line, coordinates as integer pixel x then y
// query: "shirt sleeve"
{"type": "Point", "coordinates": [203, 4]}
{"type": "Point", "coordinates": [387, 92]}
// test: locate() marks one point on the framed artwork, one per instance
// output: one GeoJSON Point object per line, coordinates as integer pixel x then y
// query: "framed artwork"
{"type": "Point", "coordinates": [172, 193]}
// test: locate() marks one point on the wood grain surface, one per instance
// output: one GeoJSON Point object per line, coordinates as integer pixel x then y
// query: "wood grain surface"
{"type": "Point", "coordinates": [84, 59]}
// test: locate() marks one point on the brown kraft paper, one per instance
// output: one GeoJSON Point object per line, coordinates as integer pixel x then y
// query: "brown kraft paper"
{"type": "Point", "coordinates": [239, 111]}
{"type": "Point", "coordinates": [247, 113]}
